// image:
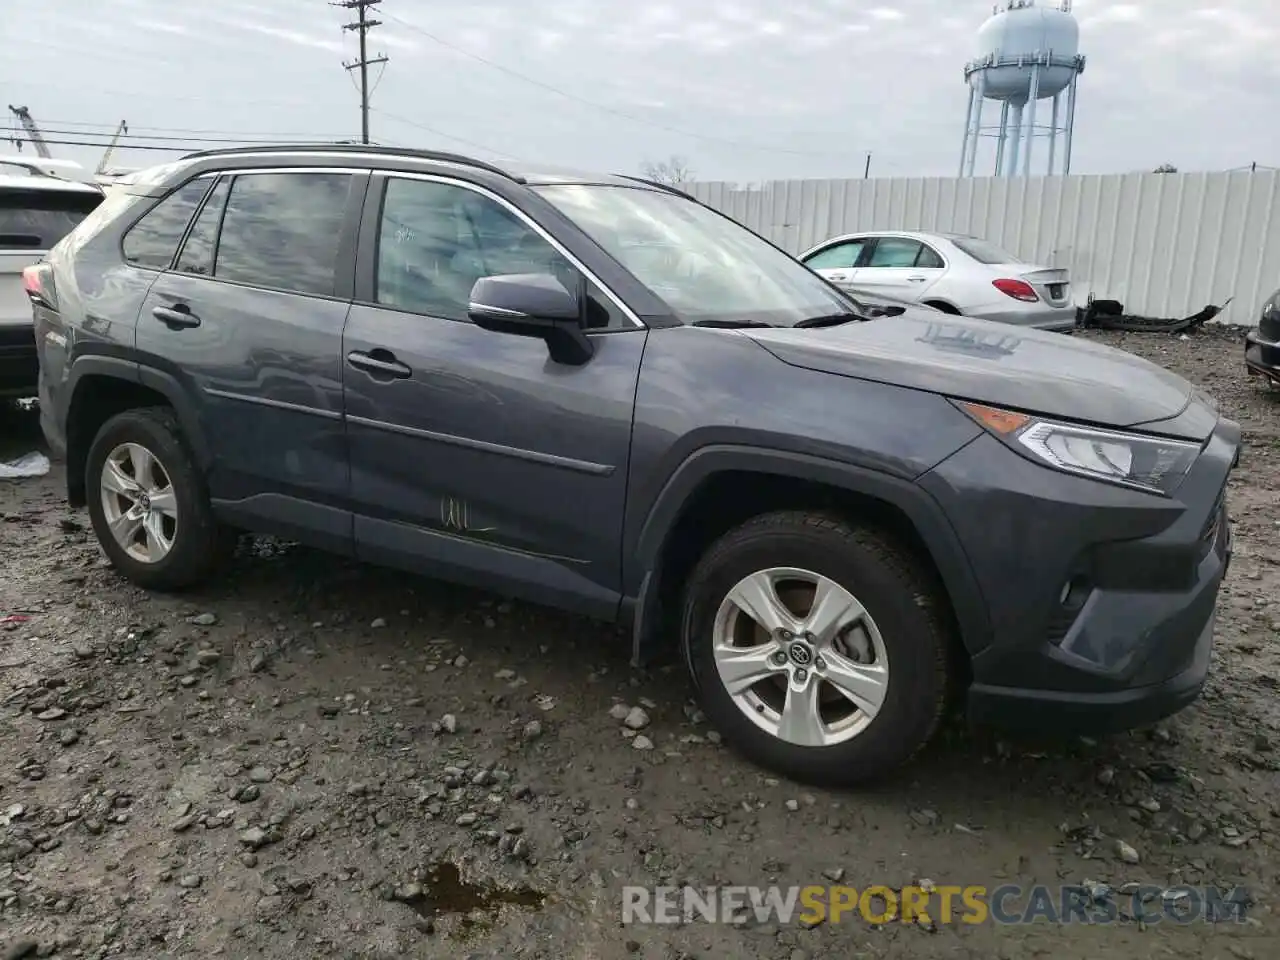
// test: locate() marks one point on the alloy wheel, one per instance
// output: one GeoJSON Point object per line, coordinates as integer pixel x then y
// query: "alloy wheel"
{"type": "Point", "coordinates": [139, 503]}
{"type": "Point", "coordinates": [800, 656]}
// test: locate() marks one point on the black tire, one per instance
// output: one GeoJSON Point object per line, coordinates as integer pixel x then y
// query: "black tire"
{"type": "Point", "coordinates": [895, 591]}
{"type": "Point", "coordinates": [201, 545]}
{"type": "Point", "coordinates": [944, 307]}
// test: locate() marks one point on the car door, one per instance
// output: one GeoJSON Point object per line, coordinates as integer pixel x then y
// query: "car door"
{"type": "Point", "coordinates": [249, 316]}
{"type": "Point", "coordinates": [474, 456]}
{"type": "Point", "coordinates": [900, 267]}
{"type": "Point", "coordinates": [838, 262]}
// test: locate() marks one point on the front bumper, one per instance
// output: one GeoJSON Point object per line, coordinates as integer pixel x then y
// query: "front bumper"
{"type": "Point", "coordinates": [19, 366]}
{"type": "Point", "coordinates": [1262, 357]}
{"type": "Point", "coordinates": [1101, 599]}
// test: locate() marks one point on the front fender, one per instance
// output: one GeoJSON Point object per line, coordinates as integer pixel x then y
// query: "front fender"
{"type": "Point", "coordinates": [920, 508]}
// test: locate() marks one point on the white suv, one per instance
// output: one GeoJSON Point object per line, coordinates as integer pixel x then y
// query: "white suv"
{"type": "Point", "coordinates": [40, 203]}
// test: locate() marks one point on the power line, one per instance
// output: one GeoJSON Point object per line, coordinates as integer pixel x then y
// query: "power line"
{"type": "Point", "coordinates": [441, 133]}
{"type": "Point", "coordinates": [362, 26]}
{"type": "Point", "coordinates": [94, 143]}
{"type": "Point", "coordinates": [247, 138]}
{"type": "Point", "coordinates": [108, 128]}
{"type": "Point", "coordinates": [600, 106]}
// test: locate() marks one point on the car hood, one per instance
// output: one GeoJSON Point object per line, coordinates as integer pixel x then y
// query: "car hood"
{"type": "Point", "coordinates": [1029, 370]}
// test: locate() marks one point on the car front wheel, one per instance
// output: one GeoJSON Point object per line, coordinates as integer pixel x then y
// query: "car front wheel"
{"type": "Point", "coordinates": [817, 648]}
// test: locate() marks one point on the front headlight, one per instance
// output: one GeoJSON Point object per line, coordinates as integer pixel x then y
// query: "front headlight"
{"type": "Point", "coordinates": [1153, 464]}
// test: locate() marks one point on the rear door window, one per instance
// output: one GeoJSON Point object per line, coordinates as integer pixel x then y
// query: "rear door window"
{"type": "Point", "coordinates": [282, 231]}
{"type": "Point", "coordinates": [202, 242]}
{"type": "Point", "coordinates": [153, 240]}
{"type": "Point", "coordinates": [36, 220]}
{"type": "Point", "coordinates": [929, 258]}
{"type": "Point", "coordinates": [895, 252]}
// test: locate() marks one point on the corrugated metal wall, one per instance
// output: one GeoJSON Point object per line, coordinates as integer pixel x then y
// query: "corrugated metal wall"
{"type": "Point", "coordinates": [1165, 245]}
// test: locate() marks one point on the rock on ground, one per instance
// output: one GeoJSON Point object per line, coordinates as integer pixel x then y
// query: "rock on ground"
{"type": "Point", "coordinates": [287, 794]}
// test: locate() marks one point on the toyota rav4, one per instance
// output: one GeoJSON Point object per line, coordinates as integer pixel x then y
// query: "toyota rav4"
{"type": "Point", "coordinates": [596, 393]}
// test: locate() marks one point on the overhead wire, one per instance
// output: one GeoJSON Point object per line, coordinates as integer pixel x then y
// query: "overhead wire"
{"type": "Point", "coordinates": [107, 129]}
{"type": "Point", "coordinates": [605, 107]}
{"type": "Point", "coordinates": [440, 133]}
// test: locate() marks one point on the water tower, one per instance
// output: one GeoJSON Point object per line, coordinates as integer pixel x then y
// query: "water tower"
{"type": "Point", "coordinates": [1026, 54]}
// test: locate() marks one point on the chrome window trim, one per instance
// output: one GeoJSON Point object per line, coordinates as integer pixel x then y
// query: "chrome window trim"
{"type": "Point", "coordinates": [527, 220]}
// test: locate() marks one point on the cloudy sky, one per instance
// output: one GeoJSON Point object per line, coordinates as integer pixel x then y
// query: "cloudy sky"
{"type": "Point", "coordinates": [742, 89]}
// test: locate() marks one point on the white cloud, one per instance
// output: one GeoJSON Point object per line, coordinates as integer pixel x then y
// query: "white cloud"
{"type": "Point", "coordinates": [717, 80]}
{"type": "Point", "coordinates": [161, 27]}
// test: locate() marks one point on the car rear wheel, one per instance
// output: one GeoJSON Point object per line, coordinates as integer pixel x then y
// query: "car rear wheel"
{"type": "Point", "coordinates": [818, 649]}
{"type": "Point", "coordinates": [149, 505]}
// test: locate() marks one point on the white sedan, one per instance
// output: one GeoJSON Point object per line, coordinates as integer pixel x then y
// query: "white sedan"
{"type": "Point", "coordinates": [953, 273]}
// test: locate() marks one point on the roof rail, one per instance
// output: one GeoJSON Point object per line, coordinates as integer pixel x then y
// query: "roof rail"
{"type": "Point", "coordinates": [665, 187]}
{"type": "Point", "coordinates": [346, 147]}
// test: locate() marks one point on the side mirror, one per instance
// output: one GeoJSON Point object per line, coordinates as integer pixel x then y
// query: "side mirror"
{"type": "Point", "coordinates": [532, 305]}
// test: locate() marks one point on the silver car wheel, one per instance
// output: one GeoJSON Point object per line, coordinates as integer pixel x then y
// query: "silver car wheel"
{"type": "Point", "coordinates": [801, 657]}
{"type": "Point", "coordinates": [138, 503]}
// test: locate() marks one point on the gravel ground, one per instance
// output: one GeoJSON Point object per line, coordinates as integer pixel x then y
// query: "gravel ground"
{"type": "Point", "coordinates": [321, 759]}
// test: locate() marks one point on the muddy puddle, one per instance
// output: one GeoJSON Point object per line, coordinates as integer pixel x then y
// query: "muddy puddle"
{"type": "Point", "coordinates": [443, 893]}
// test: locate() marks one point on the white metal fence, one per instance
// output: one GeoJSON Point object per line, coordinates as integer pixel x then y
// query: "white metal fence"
{"type": "Point", "coordinates": [1164, 245]}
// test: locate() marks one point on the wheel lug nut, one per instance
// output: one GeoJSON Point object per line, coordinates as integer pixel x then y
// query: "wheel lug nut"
{"type": "Point", "coordinates": [779, 658]}
{"type": "Point", "coordinates": [802, 675]}
{"type": "Point", "coordinates": [820, 664]}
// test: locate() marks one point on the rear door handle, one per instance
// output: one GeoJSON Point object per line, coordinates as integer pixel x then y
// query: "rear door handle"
{"type": "Point", "coordinates": [176, 317]}
{"type": "Point", "coordinates": [916, 279]}
{"type": "Point", "coordinates": [837, 276]}
{"type": "Point", "coordinates": [382, 363]}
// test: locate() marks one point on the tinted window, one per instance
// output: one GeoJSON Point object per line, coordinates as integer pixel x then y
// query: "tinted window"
{"type": "Point", "coordinates": [154, 239]}
{"type": "Point", "coordinates": [840, 257]}
{"type": "Point", "coordinates": [437, 240]}
{"type": "Point", "coordinates": [983, 251]}
{"type": "Point", "coordinates": [929, 258]}
{"type": "Point", "coordinates": [281, 230]}
{"type": "Point", "coordinates": [197, 252]}
{"type": "Point", "coordinates": [894, 252]}
{"type": "Point", "coordinates": [38, 219]}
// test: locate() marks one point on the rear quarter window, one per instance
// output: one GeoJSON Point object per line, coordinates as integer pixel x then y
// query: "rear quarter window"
{"type": "Point", "coordinates": [153, 240]}
{"type": "Point", "coordinates": [36, 220]}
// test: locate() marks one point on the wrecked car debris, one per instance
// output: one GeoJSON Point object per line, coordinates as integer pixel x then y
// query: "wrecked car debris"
{"type": "Point", "coordinates": [1110, 315]}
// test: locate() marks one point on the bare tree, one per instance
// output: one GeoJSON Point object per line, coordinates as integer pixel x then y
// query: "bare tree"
{"type": "Point", "coordinates": [1165, 168]}
{"type": "Point", "coordinates": [674, 172]}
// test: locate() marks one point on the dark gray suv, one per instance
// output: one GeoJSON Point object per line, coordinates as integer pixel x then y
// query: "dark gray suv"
{"type": "Point", "coordinates": [596, 393]}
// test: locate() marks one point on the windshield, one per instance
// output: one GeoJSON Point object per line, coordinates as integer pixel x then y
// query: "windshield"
{"type": "Point", "coordinates": [983, 250]}
{"type": "Point", "coordinates": [704, 266]}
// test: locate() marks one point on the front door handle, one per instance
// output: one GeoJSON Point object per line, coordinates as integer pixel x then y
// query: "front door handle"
{"type": "Point", "coordinates": [837, 276]}
{"type": "Point", "coordinates": [381, 363]}
{"type": "Point", "coordinates": [176, 317]}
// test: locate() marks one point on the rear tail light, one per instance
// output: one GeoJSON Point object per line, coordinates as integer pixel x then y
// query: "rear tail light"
{"type": "Point", "coordinates": [37, 280]}
{"type": "Point", "coordinates": [1018, 289]}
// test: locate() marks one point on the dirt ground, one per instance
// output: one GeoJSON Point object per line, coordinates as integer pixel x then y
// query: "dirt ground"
{"type": "Point", "coordinates": [321, 759]}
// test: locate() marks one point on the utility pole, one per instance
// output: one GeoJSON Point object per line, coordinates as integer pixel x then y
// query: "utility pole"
{"type": "Point", "coordinates": [362, 26]}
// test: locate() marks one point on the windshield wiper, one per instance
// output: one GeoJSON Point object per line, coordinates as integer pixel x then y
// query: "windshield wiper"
{"type": "Point", "coordinates": [830, 320]}
{"type": "Point", "coordinates": [732, 324]}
